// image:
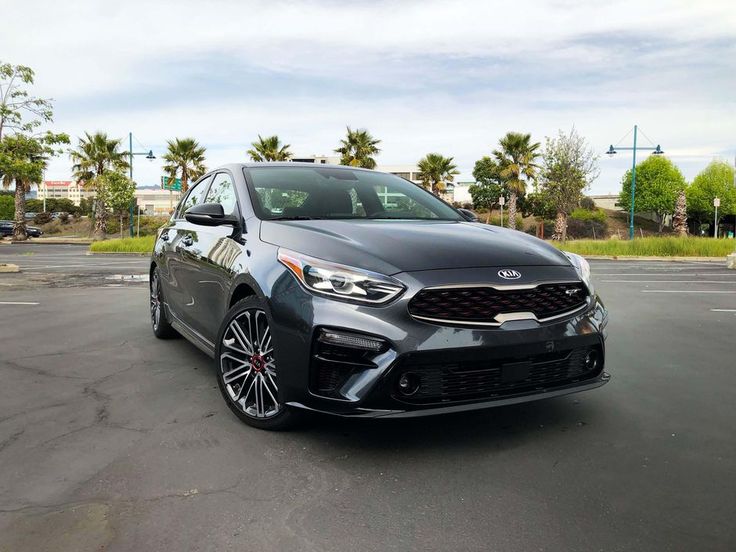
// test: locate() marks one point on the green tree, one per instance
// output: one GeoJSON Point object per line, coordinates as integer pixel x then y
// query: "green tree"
{"type": "Point", "coordinates": [23, 160]}
{"type": "Point", "coordinates": [19, 110]}
{"type": "Point", "coordinates": [358, 149]}
{"type": "Point", "coordinates": [569, 165]}
{"type": "Point", "coordinates": [658, 180]}
{"type": "Point", "coordinates": [119, 191]}
{"type": "Point", "coordinates": [517, 158]}
{"type": "Point", "coordinates": [540, 204]}
{"type": "Point", "coordinates": [7, 207]}
{"type": "Point", "coordinates": [184, 159]}
{"type": "Point", "coordinates": [488, 186]}
{"type": "Point", "coordinates": [95, 155]}
{"type": "Point", "coordinates": [716, 180]}
{"type": "Point", "coordinates": [269, 149]}
{"type": "Point", "coordinates": [435, 170]}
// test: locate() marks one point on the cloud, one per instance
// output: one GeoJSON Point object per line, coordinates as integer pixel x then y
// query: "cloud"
{"type": "Point", "coordinates": [422, 76]}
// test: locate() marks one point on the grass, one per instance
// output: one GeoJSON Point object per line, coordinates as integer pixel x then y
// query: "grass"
{"type": "Point", "coordinates": [652, 247]}
{"type": "Point", "coordinates": [144, 244]}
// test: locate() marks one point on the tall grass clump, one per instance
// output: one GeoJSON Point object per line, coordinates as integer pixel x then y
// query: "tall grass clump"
{"type": "Point", "coordinates": [652, 247]}
{"type": "Point", "coordinates": [144, 244]}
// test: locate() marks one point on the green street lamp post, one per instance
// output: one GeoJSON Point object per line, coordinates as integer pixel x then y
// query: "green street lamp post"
{"type": "Point", "coordinates": [149, 155]}
{"type": "Point", "coordinates": [611, 152]}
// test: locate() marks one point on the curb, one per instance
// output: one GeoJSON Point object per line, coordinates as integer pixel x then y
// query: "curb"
{"type": "Point", "coordinates": [36, 241]}
{"type": "Point", "coordinates": [128, 253]}
{"type": "Point", "coordinates": [663, 259]}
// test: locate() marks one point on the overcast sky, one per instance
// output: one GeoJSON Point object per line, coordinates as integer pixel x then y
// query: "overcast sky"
{"type": "Point", "coordinates": [424, 76]}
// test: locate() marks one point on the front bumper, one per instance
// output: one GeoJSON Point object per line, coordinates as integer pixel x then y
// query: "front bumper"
{"type": "Point", "coordinates": [472, 362]}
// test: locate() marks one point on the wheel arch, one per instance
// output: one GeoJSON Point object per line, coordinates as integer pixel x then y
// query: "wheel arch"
{"type": "Point", "coordinates": [242, 289]}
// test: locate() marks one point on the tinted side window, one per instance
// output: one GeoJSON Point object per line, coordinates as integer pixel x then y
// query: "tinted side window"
{"type": "Point", "coordinates": [194, 196]}
{"type": "Point", "coordinates": [222, 191]}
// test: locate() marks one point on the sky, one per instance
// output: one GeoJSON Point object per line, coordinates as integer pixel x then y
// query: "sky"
{"type": "Point", "coordinates": [422, 76]}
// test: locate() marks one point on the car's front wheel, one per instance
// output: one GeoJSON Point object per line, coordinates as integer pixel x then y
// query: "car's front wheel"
{"type": "Point", "coordinates": [246, 368]}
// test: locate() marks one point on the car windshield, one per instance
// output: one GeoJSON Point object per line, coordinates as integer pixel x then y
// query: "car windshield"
{"type": "Point", "coordinates": [294, 193]}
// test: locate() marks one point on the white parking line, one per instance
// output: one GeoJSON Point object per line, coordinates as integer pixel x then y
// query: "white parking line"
{"type": "Point", "coordinates": [723, 310]}
{"type": "Point", "coordinates": [668, 281]}
{"type": "Point", "coordinates": [684, 291]}
{"type": "Point", "coordinates": [17, 303]}
{"type": "Point", "coordinates": [29, 268]}
{"type": "Point", "coordinates": [724, 275]}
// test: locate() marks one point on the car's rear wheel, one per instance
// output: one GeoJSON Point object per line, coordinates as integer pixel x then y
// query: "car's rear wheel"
{"type": "Point", "coordinates": [160, 324]}
{"type": "Point", "coordinates": [246, 368]}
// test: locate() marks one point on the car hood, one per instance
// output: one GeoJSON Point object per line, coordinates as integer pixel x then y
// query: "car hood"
{"type": "Point", "coordinates": [392, 246]}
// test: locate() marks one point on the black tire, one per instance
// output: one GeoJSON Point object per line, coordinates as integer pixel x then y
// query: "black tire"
{"type": "Point", "coordinates": [159, 320]}
{"type": "Point", "coordinates": [246, 368]}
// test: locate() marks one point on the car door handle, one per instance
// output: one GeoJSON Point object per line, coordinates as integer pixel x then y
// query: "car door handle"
{"type": "Point", "coordinates": [187, 240]}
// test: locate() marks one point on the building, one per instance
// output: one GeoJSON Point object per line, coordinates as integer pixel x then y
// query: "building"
{"type": "Point", "coordinates": [319, 159]}
{"type": "Point", "coordinates": [152, 200]}
{"type": "Point", "coordinates": [608, 201]}
{"type": "Point", "coordinates": [461, 192]}
{"type": "Point", "coordinates": [63, 189]}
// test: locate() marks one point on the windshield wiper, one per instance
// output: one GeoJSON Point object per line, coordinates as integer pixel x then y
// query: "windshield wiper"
{"type": "Point", "coordinates": [295, 217]}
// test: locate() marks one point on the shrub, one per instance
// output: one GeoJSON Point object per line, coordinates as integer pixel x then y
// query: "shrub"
{"type": "Point", "coordinates": [7, 207]}
{"type": "Point", "coordinates": [586, 215]}
{"type": "Point", "coordinates": [581, 229]}
{"type": "Point", "coordinates": [64, 218]}
{"type": "Point", "coordinates": [42, 218]}
{"type": "Point", "coordinates": [496, 219]}
{"type": "Point", "coordinates": [587, 203]}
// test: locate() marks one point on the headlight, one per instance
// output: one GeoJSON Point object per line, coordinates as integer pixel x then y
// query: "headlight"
{"type": "Point", "coordinates": [583, 269]}
{"type": "Point", "coordinates": [344, 282]}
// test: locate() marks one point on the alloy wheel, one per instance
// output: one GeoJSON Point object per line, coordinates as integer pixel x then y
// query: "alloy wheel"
{"type": "Point", "coordinates": [155, 301]}
{"type": "Point", "coordinates": [247, 365]}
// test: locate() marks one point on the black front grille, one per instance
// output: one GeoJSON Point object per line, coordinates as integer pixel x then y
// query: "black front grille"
{"type": "Point", "coordinates": [446, 382]}
{"type": "Point", "coordinates": [483, 304]}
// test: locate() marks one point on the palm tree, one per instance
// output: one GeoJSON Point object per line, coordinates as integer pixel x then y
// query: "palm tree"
{"type": "Point", "coordinates": [95, 155]}
{"type": "Point", "coordinates": [26, 158]}
{"type": "Point", "coordinates": [358, 148]}
{"type": "Point", "coordinates": [269, 149]}
{"type": "Point", "coordinates": [185, 160]}
{"type": "Point", "coordinates": [517, 157]}
{"type": "Point", "coordinates": [436, 170]}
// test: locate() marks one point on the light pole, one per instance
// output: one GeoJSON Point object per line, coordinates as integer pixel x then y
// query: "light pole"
{"type": "Point", "coordinates": [149, 155]}
{"type": "Point", "coordinates": [611, 152]}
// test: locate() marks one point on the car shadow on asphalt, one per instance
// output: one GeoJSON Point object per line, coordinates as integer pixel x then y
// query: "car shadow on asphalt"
{"type": "Point", "coordinates": [494, 428]}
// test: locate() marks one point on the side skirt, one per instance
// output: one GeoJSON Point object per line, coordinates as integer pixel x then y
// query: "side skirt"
{"type": "Point", "coordinates": [203, 344]}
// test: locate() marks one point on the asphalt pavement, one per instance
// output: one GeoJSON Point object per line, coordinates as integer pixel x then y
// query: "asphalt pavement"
{"type": "Point", "coordinates": [113, 440]}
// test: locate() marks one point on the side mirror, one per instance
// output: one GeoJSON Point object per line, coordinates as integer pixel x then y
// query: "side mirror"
{"type": "Point", "coordinates": [210, 214]}
{"type": "Point", "coordinates": [468, 215]}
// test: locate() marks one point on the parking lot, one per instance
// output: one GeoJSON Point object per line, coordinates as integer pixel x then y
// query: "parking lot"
{"type": "Point", "coordinates": [113, 440]}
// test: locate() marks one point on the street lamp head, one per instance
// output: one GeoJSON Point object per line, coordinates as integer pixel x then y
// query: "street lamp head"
{"type": "Point", "coordinates": [611, 151]}
{"type": "Point", "coordinates": [150, 155]}
{"type": "Point", "coordinates": [657, 151]}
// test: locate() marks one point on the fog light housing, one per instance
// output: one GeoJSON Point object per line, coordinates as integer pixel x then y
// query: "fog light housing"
{"type": "Point", "coordinates": [591, 360]}
{"type": "Point", "coordinates": [409, 384]}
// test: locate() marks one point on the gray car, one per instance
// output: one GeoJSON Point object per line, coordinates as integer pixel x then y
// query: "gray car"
{"type": "Point", "coordinates": [356, 293]}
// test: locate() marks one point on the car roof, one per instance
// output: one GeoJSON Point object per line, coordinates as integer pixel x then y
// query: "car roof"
{"type": "Point", "coordinates": [282, 164]}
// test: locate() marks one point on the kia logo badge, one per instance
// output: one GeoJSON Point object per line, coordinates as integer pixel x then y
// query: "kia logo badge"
{"type": "Point", "coordinates": [508, 274]}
